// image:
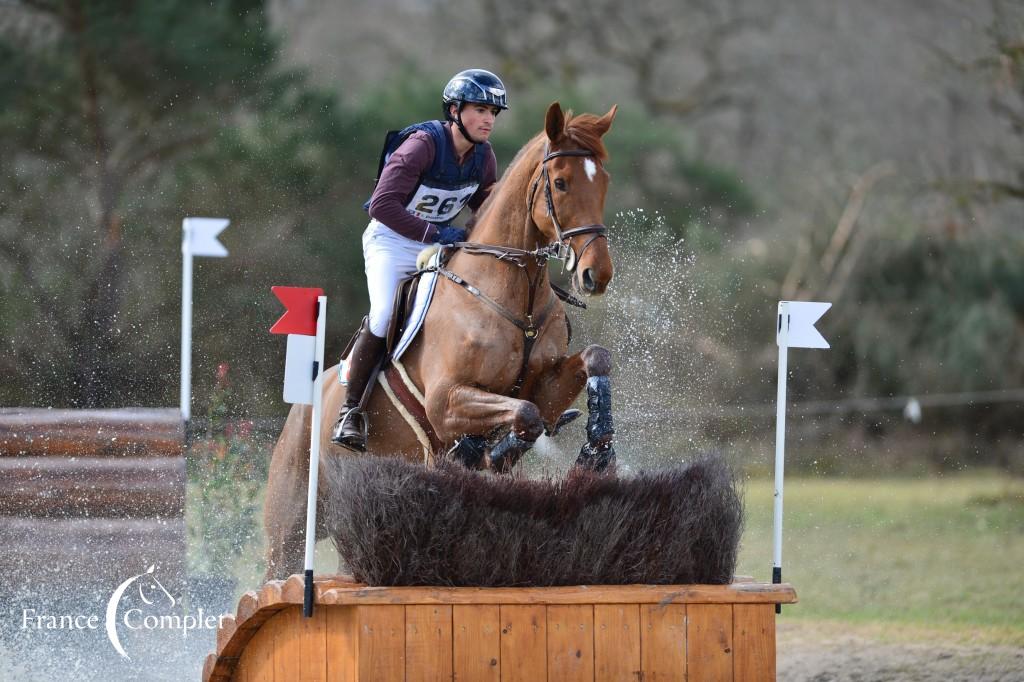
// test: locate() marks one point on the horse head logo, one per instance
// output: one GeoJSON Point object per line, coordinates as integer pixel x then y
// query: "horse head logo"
{"type": "Point", "coordinates": [151, 591]}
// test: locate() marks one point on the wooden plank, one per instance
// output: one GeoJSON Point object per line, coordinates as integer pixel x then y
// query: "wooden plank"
{"type": "Point", "coordinates": [286, 643]}
{"type": "Point", "coordinates": [524, 654]}
{"type": "Point", "coordinates": [709, 642]}
{"type": "Point", "coordinates": [754, 642]}
{"type": "Point", "coordinates": [617, 642]}
{"type": "Point", "coordinates": [476, 648]}
{"type": "Point", "coordinates": [428, 643]}
{"type": "Point", "coordinates": [92, 486]}
{"type": "Point", "coordinates": [137, 432]}
{"type": "Point", "coordinates": [313, 647]}
{"type": "Point", "coordinates": [258, 657]}
{"type": "Point", "coordinates": [342, 642]}
{"type": "Point", "coordinates": [241, 672]}
{"type": "Point", "coordinates": [571, 643]}
{"type": "Point", "coordinates": [663, 642]}
{"type": "Point", "coordinates": [381, 643]}
{"type": "Point", "coordinates": [735, 593]}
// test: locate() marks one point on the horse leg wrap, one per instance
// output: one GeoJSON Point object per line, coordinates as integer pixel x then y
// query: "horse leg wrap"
{"type": "Point", "coordinates": [599, 405]}
{"type": "Point", "coordinates": [468, 451]}
{"type": "Point", "coordinates": [598, 452]}
{"type": "Point", "coordinates": [507, 452]}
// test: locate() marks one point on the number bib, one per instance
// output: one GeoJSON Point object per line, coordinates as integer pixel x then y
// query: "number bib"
{"type": "Point", "coordinates": [437, 205]}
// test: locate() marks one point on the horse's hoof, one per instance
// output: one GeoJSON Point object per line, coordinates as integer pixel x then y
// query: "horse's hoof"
{"type": "Point", "coordinates": [468, 451]}
{"type": "Point", "coordinates": [563, 420]}
{"type": "Point", "coordinates": [507, 452]}
{"type": "Point", "coordinates": [597, 458]}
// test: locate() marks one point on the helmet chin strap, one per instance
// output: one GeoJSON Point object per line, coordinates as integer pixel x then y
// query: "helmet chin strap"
{"type": "Point", "coordinates": [462, 128]}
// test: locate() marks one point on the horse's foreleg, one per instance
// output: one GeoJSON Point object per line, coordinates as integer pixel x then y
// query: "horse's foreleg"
{"type": "Point", "coordinates": [555, 393]}
{"type": "Point", "coordinates": [284, 508]}
{"type": "Point", "coordinates": [465, 415]}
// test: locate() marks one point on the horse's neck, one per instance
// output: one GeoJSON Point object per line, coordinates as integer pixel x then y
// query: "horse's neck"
{"type": "Point", "coordinates": [506, 222]}
{"type": "Point", "coordinates": [505, 225]}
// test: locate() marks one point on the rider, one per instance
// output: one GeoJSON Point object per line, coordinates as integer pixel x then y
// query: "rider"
{"type": "Point", "coordinates": [439, 168]}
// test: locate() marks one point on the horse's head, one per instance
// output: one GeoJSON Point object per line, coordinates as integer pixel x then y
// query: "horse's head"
{"type": "Point", "coordinates": [568, 193]}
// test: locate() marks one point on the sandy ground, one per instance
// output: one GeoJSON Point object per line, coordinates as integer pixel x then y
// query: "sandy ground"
{"type": "Point", "coordinates": [835, 652]}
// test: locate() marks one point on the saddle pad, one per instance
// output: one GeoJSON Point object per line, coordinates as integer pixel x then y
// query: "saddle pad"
{"type": "Point", "coordinates": [414, 321]}
{"type": "Point", "coordinates": [406, 397]}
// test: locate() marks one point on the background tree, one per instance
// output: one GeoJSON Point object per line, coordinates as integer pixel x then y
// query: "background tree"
{"type": "Point", "coordinates": [119, 120]}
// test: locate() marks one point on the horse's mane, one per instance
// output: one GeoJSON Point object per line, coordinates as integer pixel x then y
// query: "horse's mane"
{"type": "Point", "coordinates": [581, 130]}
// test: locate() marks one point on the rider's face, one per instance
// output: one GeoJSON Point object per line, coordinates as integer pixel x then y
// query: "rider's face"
{"type": "Point", "coordinates": [479, 120]}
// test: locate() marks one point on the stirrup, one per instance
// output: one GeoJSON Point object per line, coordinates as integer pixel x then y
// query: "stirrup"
{"type": "Point", "coordinates": [353, 441]}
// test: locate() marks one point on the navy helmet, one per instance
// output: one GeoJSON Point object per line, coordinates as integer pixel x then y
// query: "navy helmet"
{"type": "Point", "coordinates": [474, 86]}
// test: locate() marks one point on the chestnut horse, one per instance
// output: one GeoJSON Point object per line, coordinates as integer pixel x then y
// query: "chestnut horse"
{"type": "Point", "coordinates": [491, 358]}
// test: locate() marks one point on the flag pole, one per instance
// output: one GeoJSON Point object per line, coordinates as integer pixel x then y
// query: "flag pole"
{"type": "Point", "coordinates": [186, 323]}
{"type": "Point", "coordinates": [314, 454]}
{"type": "Point", "coordinates": [198, 238]}
{"type": "Point", "coordinates": [782, 336]}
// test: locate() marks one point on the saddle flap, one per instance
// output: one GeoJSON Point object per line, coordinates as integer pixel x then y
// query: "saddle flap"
{"type": "Point", "coordinates": [405, 299]}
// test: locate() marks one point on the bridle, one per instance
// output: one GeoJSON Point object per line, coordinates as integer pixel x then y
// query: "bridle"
{"type": "Point", "coordinates": [561, 248]}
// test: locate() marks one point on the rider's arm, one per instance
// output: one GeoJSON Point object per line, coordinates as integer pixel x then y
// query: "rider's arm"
{"type": "Point", "coordinates": [398, 181]}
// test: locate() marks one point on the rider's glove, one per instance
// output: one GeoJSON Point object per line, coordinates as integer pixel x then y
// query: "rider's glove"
{"type": "Point", "coordinates": [449, 235]}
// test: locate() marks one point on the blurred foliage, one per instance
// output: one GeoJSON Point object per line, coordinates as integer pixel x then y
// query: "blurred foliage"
{"type": "Point", "coordinates": [123, 121]}
{"type": "Point", "coordinates": [226, 473]}
{"type": "Point", "coordinates": [120, 121]}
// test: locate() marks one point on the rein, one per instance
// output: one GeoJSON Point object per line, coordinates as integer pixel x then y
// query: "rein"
{"type": "Point", "coordinates": [560, 249]}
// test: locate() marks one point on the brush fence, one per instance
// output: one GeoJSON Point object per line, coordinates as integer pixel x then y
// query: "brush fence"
{"type": "Point", "coordinates": [614, 632]}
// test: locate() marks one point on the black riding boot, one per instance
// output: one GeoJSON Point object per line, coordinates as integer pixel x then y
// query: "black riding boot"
{"type": "Point", "coordinates": [350, 430]}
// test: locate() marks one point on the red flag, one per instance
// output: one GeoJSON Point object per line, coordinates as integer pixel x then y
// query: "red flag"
{"type": "Point", "coordinates": [300, 314]}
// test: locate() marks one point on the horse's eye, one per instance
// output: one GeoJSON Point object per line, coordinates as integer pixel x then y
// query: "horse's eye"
{"type": "Point", "coordinates": [560, 184]}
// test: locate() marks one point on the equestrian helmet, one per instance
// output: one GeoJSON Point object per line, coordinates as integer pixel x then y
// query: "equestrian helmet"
{"type": "Point", "coordinates": [475, 86]}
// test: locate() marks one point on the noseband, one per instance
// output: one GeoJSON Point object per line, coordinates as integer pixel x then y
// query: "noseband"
{"type": "Point", "coordinates": [562, 246]}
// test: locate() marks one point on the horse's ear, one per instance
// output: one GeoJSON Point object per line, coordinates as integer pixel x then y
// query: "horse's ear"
{"type": "Point", "coordinates": [554, 122]}
{"type": "Point", "coordinates": [604, 124]}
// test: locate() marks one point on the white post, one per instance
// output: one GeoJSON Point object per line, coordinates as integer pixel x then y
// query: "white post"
{"type": "Point", "coordinates": [186, 322]}
{"type": "Point", "coordinates": [314, 453]}
{"type": "Point", "coordinates": [780, 440]}
{"type": "Point", "coordinates": [198, 238]}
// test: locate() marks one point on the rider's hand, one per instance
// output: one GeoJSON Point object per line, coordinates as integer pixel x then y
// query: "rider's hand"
{"type": "Point", "coordinates": [449, 235]}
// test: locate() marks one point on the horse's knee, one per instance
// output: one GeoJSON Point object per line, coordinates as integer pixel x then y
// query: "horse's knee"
{"type": "Point", "coordinates": [597, 360]}
{"type": "Point", "coordinates": [526, 422]}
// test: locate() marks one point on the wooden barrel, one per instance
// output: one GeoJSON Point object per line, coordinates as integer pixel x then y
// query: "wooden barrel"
{"type": "Point", "coordinates": [631, 632]}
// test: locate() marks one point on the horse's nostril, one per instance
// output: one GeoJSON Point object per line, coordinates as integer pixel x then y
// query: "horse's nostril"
{"type": "Point", "coordinates": [588, 280]}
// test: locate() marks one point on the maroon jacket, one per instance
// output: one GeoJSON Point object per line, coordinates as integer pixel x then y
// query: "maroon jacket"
{"type": "Point", "coordinates": [400, 178]}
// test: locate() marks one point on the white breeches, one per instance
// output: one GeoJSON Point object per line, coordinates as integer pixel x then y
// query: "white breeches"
{"type": "Point", "coordinates": [389, 257]}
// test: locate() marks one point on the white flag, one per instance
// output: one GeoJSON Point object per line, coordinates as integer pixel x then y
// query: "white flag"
{"type": "Point", "coordinates": [802, 316]}
{"type": "Point", "coordinates": [201, 236]}
{"type": "Point", "coordinates": [298, 369]}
